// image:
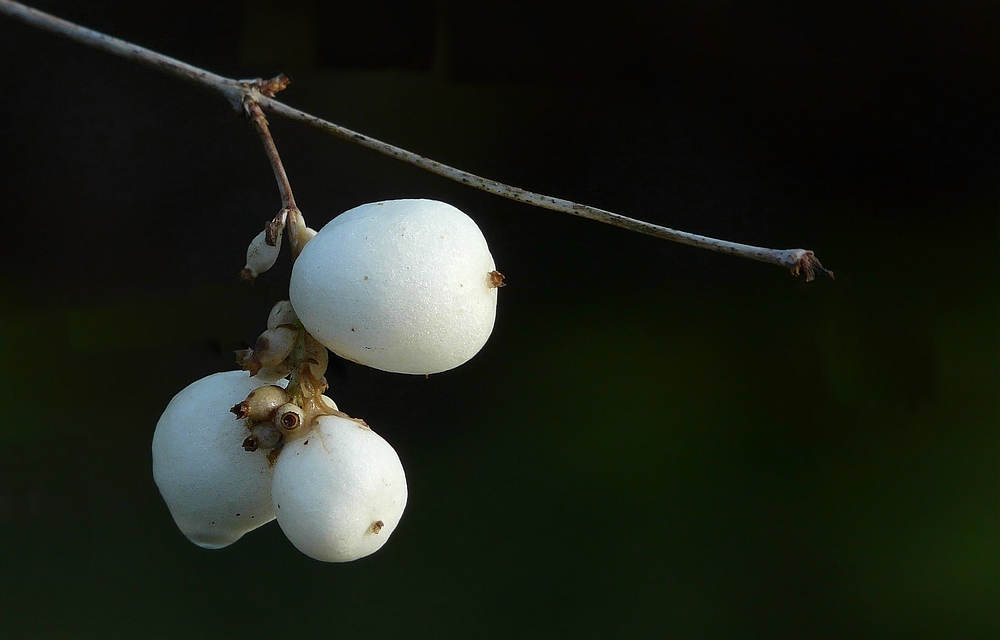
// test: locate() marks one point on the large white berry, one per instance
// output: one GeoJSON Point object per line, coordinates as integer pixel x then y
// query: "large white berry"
{"type": "Point", "coordinates": [338, 491]}
{"type": "Point", "coordinates": [403, 285]}
{"type": "Point", "coordinates": [215, 490]}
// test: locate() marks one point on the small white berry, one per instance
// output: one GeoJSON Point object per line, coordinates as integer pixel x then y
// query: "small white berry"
{"type": "Point", "coordinates": [338, 492]}
{"type": "Point", "coordinates": [261, 255]}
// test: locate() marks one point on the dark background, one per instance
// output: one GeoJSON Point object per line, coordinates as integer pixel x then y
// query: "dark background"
{"type": "Point", "coordinates": [656, 439]}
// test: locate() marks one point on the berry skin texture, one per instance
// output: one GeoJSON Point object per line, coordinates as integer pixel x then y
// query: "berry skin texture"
{"type": "Point", "coordinates": [338, 492]}
{"type": "Point", "coordinates": [215, 490]}
{"type": "Point", "coordinates": [407, 286]}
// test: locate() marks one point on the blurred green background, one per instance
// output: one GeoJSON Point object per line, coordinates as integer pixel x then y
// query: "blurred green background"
{"type": "Point", "coordinates": [655, 439]}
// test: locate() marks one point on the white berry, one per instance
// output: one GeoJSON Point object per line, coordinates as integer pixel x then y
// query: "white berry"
{"type": "Point", "coordinates": [215, 490]}
{"type": "Point", "coordinates": [338, 492]}
{"type": "Point", "coordinates": [261, 256]}
{"type": "Point", "coordinates": [407, 286]}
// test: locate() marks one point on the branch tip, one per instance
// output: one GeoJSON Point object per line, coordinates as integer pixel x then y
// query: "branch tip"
{"type": "Point", "coordinates": [808, 265]}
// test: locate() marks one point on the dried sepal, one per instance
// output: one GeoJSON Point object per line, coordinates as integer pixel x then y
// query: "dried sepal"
{"type": "Point", "coordinates": [251, 443]}
{"type": "Point", "coordinates": [495, 279]}
{"type": "Point", "coordinates": [274, 229]}
{"type": "Point", "coordinates": [241, 356]}
{"type": "Point", "coordinates": [248, 360]}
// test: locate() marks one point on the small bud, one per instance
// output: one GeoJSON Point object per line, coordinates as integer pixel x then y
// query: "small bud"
{"type": "Point", "coordinates": [328, 402]}
{"type": "Point", "coordinates": [270, 350]}
{"type": "Point", "coordinates": [274, 345]}
{"type": "Point", "coordinates": [302, 232]}
{"type": "Point", "coordinates": [317, 357]}
{"type": "Point", "coordinates": [305, 235]}
{"type": "Point", "coordinates": [261, 403]}
{"type": "Point", "coordinates": [281, 313]}
{"type": "Point", "coordinates": [289, 417]}
{"type": "Point", "coordinates": [261, 254]}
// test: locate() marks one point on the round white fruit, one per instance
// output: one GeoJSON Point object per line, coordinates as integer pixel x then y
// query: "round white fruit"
{"type": "Point", "coordinates": [338, 492]}
{"type": "Point", "coordinates": [215, 490]}
{"type": "Point", "coordinates": [407, 286]}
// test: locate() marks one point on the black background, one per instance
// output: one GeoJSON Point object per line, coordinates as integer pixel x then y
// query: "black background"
{"type": "Point", "coordinates": [655, 438]}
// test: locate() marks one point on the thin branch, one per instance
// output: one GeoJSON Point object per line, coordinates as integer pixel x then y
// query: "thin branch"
{"type": "Point", "coordinates": [256, 92]}
{"type": "Point", "coordinates": [798, 261]}
{"type": "Point", "coordinates": [289, 218]}
{"type": "Point", "coordinates": [260, 124]}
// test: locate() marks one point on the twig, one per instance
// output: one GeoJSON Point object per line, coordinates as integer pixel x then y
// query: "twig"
{"type": "Point", "coordinates": [247, 94]}
{"type": "Point", "coordinates": [289, 214]}
{"type": "Point", "coordinates": [260, 124]}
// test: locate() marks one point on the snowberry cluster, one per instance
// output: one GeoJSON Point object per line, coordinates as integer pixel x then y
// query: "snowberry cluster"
{"type": "Point", "coordinates": [407, 286]}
